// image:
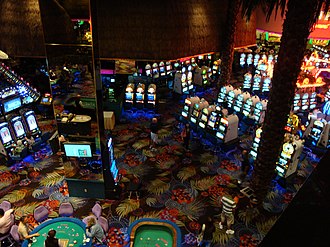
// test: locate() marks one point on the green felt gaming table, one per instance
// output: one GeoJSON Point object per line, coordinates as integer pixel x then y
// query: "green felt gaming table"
{"type": "Point", "coordinates": [155, 233]}
{"type": "Point", "coordinates": [69, 231]}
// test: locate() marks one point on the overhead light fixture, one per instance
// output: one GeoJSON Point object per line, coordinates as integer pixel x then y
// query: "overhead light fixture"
{"type": "Point", "coordinates": [3, 55]}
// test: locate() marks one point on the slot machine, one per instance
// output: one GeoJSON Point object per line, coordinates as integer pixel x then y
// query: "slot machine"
{"type": "Point", "coordinates": [193, 63]}
{"type": "Point", "coordinates": [151, 95]}
{"type": "Point", "coordinates": [168, 68]}
{"type": "Point", "coordinates": [214, 119]}
{"type": "Point", "coordinates": [247, 81]}
{"type": "Point", "coordinates": [242, 59]}
{"type": "Point", "coordinates": [197, 109]}
{"type": "Point", "coordinates": [327, 96]}
{"type": "Point", "coordinates": [296, 102]}
{"type": "Point", "coordinates": [180, 85]}
{"type": "Point", "coordinates": [247, 107]}
{"type": "Point", "coordinates": [312, 101]}
{"type": "Point", "coordinates": [187, 107]}
{"type": "Point", "coordinates": [222, 96]}
{"type": "Point", "coordinates": [155, 71]}
{"type": "Point", "coordinates": [129, 94]}
{"type": "Point", "coordinates": [197, 78]}
{"type": "Point", "coordinates": [204, 116]}
{"type": "Point", "coordinates": [230, 98]}
{"type": "Point", "coordinates": [240, 100]}
{"type": "Point", "coordinates": [216, 67]}
{"type": "Point", "coordinates": [19, 129]}
{"type": "Point", "coordinates": [305, 102]}
{"type": "Point", "coordinates": [32, 124]}
{"type": "Point", "coordinates": [148, 70]}
{"type": "Point", "coordinates": [228, 128]}
{"type": "Point", "coordinates": [324, 140]}
{"type": "Point", "coordinates": [190, 78]}
{"type": "Point", "coordinates": [256, 82]}
{"type": "Point", "coordinates": [266, 84]}
{"type": "Point", "coordinates": [200, 60]}
{"type": "Point", "coordinates": [256, 60]}
{"type": "Point", "coordinates": [316, 128]}
{"type": "Point", "coordinates": [255, 144]}
{"type": "Point", "coordinates": [162, 70]}
{"type": "Point", "coordinates": [209, 73]}
{"type": "Point", "coordinates": [259, 111]}
{"type": "Point", "coordinates": [289, 157]}
{"type": "Point", "coordinates": [7, 143]}
{"type": "Point", "coordinates": [205, 78]}
{"type": "Point", "coordinates": [46, 100]}
{"type": "Point", "coordinates": [249, 59]}
{"type": "Point", "coordinates": [139, 95]}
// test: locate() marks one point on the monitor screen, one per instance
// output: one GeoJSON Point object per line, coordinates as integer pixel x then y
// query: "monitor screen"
{"type": "Point", "coordinates": [12, 104]}
{"type": "Point", "coordinates": [114, 171]}
{"type": "Point", "coordinates": [45, 99]}
{"type": "Point", "coordinates": [129, 96]}
{"type": "Point", "coordinates": [19, 129]}
{"type": "Point", "coordinates": [204, 117]}
{"type": "Point", "coordinates": [151, 97]}
{"type": "Point", "coordinates": [32, 123]}
{"type": "Point", "coordinates": [162, 69]}
{"type": "Point", "coordinates": [79, 150]}
{"type": "Point", "coordinates": [5, 135]}
{"type": "Point", "coordinates": [139, 96]}
{"type": "Point", "coordinates": [168, 67]}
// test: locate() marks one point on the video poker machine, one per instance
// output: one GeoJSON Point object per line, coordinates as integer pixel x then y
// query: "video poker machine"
{"type": "Point", "coordinates": [232, 97]}
{"type": "Point", "coordinates": [312, 101]}
{"type": "Point", "coordinates": [214, 119]}
{"type": "Point", "coordinates": [204, 116]}
{"type": "Point", "coordinates": [17, 124]}
{"type": "Point", "coordinates": [151, 95]}
{"type": "Point", "coordinates": [188, 104]}
{"type": "Point", "coordinates": [216, 67]}
{"type": "Point", "coordinates": [266, 84]}
{"type": "Point", "coordinates": [162, 70]}
{"type": "Point", "coordinates": [223, 93]}
{"type": "Point", "coordinates": [250, 104]}
{"type": "Point", "coordinates": [256, 60]}
{"type": "Point", "coordinates": [256, 82]}
{"type": "Point", "coordinates": [296, 102]}
{"type": "Point", "coordinates": [305, 102]}
{"type": "Point", "coordinates": [247, 81]}
{"type": "Point", "coordinates": [242, 58]}
{"type": "Point", "coordinates": [6, 140]}
{"type": "Point", "coordinates": [168, 68]}
{"type": "Point", "coordinates": [205, 77]}
{"type": "Point", "coordinates": [259, 111]}
{"type": "Point", "coordinates": [139, 95]}
{"type": "Point", "coordinates": [148, 70]}
{"type": "Point", "coordinates": [240, 101]}
{"type": "Point", "coordinates": [32, 124]}
{"type": "Point", "coordinates": [197, 110]}
{"type": "Point", "coordinates": [228, 128]}
{"type": "Point", "coordinates": [155, 71]}
{"type": "Point", "coordinates": [129, 94]}
{"type": "Point", "coordinates": [255, 144]}
{"type": "Point", "coordinates": [289, 157]}
{"type": "Point", "coordinates": [315, 129]}
{"type": "Point", "coordinates": [180, 85]}
{"type": "Point", "coordinates": [249, 59]}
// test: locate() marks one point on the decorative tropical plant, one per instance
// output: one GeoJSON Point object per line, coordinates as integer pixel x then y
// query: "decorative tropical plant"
{"type": "Point", "coordinates": [186, 172]}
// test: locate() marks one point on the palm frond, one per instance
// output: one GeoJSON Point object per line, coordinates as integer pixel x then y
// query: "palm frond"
{"type": "Point", "coordinates": [51, 179]}
{"type": "Point", "coordinates": [165, 164]}
{"type": "Point", "coordinates": [179, 223]}
{"type": "Point", "coordinates": [193, 210]}
{"type": "Point", "coordinates": [77, 202]}
{"type": "Point", "coordinates": [126, 207]}
{"type": "Point", "coordinates": [148, 153]}
{"type": "Point", "coordinates": [202, 184]}
{"type": "Point", "coordinates": [220, 236]}
{"type": "Point", "coordinates": [15, 196]}
{"type": "Point", "coordinates": [158, 187]}
{"type": "Point", "coordinates": [4, 168]}
{"type": "Point", "coordinates": [28, 208]}
{"type": "Point", "coordinates": [208, 159]}
{"type": "Point", "coordinates": [118, 152]}
{"type": "Point", "coordinates": [141, 144]}
{"type": "Point", "coordinates": [5, 184]}
{"type": "Point", "coordinates": [163, 133]}
{"type": "Point", "coordinates": [248, 214]}
{"type": "Point", "coordinates": [186, 173]}
{"type": "Point", "coordinates": [150, 201]}
{"type": "Point", "coordinates": [265, 226]}
{"type": "Point", "coordinates": [205, 169]}
{"type": "Point", "coordinates": [125, 138]}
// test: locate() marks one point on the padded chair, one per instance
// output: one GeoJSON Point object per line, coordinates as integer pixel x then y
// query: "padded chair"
{"type": "Point", "coordinates": [97, 210]}
{"type": "Point", "coordinates": [40, 213]}
{"type": "Point", "coordinates": [65, 209]}
{"type": "Point", "coordinates": [87, 217]}
{"type": "Point", "coordinates": [103, 223]}
{"type": "Point", "coordinates": [14, 233]}
{"type": "Point", "coordinates": [5, 205]}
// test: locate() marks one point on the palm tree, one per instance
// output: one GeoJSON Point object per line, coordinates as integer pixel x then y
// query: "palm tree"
{"type": "Point", "coordinates": [300, 17]}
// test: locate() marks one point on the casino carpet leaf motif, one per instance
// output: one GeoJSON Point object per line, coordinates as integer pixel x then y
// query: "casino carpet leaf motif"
{"type": "Point", "coordinates": [118, 152]}
{"type": "Point", "coordinates": [208, 158]}
{"type": "Point", "coordinates": [77, 202]}
{"type": "Point", "coordinates": [264, 226]}
{"type": "Point", "coordinates": [148, 153]}
{"type": "Point", "coordinates": [5, 184]}
{"type": "Point", "coordinates": [150, 215]}
{"type": "Point", "coordinates": [4, 168]}
{"type": "Point", "coordinates": [37, 193]}
{"type": "Point", "coordinates": [125, 138]}
{"type": "Point", "coordinates": [25, 209]}
{"type": "Point", "coordinates": [126, 207]}
{"type": "Point", "coordinates": [15, 195]}
{"type": "Point", "coordinates": [53, 214]}
{"type": "Point", "coordinates": [52, 179]}
{"type": "Point", "coordinates": [163, 133]}
{"type": "Point", "coordinates": [141, 144]}
{"type": "Point", "coordinates": [248, 214]}
{"type": "Point", "coordinates": [220, 236]}
{"type": "Point", "coordinates": [158, 186]}
{"type": "Point", "coordinates": [150, 201]}
{"type": "Point", "coordinates": [186, 173]}
{"type": "Point", "coordinates": [165, 164]}
{"type": "Point", "coordinates": [193, 210]}
{"type": "Point", "coordinates": [202, 184]}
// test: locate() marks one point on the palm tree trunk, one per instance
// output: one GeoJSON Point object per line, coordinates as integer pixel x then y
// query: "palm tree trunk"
{"type": "Point", "coordinates": [228, 42]}
{"type": "Point", "coordinates": [296, 29]}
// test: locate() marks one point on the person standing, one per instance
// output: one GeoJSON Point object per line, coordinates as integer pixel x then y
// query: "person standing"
{"type": "Point", "coordinates": [154, 132]}
{"type": "Point", "coordinates": [185, 134]}
{"type": "Point", "coordinates": [245, 164]}
{"type": "Point", "coordinates": [206, 235]}
{"type": "Point", "coordinates": [227, 214]}
{"type": "Point", "coordinates": [94, 231]}
{"type": "Point", "coordinates": [7, 219]}
{"type": "Point", "coordinates": [51, 241]}
{"type": "Point", "coordinates": [23, 229]}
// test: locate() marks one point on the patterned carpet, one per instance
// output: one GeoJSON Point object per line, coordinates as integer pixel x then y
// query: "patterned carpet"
{"type": "Point", "coordinates": [176, 184]}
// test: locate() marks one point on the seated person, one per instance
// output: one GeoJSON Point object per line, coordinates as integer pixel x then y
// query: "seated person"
{"type": "Point", "coordinates": [94, 231]}
{"type": "Point", "coordinates": [30, 140]}
{"type": "Point", "coordinates": [51, 241]}
{"type": "Point", "coordinates": [7, 219]}
{"type": "Point", "coordinates": [24, 229]}
{"type": "Point", "coordinates": [19, 147]}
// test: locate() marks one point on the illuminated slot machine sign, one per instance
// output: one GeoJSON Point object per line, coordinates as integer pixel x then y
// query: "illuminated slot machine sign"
{"type": "Point", "coordinates": [151, 96]}
{"type": "Point", "coordinates": [209, 72]}
{"type": "Point", "coordinates": [312, 101]}
{"type": "Point", "coordinates": [215, 67]}
{"type": "Point", "coordinates": [31, 122]}
{"type": "Point", "coordinates": [155, 70]}
{"type": "Point", "coordinates": [247, 107]}
{"type": "Point", "coordinates": [256, 82]}
{"type": "Point", "coordinates": [148, 70]}
{"type": "Point", "coordinates": [249, 59]}
{"type": "Point", "coordinates": [193, 62]}
{"type": "Point", "coordinates": [205, 115]}
{"type": "Point", "coordinates": [214, 119]}
{"type": "Point", "coordinates": [129, 93]}
{"type": "Point", "coordinates": [46, 99]}
{"type": "Point", "coordinates": [168, 68]}
{"type": "Point", "coordinates": [230, 98]}
{"type": "Point", "coordinates": [187, 105]}
{"type": "Point", "coordinates": [222, 95]}
{"type": "Point", "coordinates": [238, 103]}
{"type": "Point", "coordinates": [242, 59]}
{"type": "Point", "coordinates": [266, 84]}
{"type": "Point", "coordinates": [305, 102]}
{"type": "Point", "coordinates": [223, 125]}
{"type": "Point", "coordinates": [7, 139]}
{"type": "Point", "coordinates": [18, 127]}
{"type": "Point", "coordinates": [204, 77]}
{"type": "Point", "coordinates": [184, 84]}
{"type": "Point", "coordinates": [256, 60]}
{"type": "Point", "coordinates": [296, 102]}
{"type": "Point", "coordinates": [189, 80]}
{"type": "Point", "coordinates": [162, 70]}
{"type": "Point", "coordinates": [316, 131]}
{"type": "Point", "coordinates": [255, 144]}
{"type": "Point", "coordinates": [247, 81]}
{"type": "Point", "coordinates": [284, 159]}
{"type": "Point", "coordinates": [258, 108]}
{"type": "Point", "coordinates": [11, 104]}
{"type": "Point", "coordinates": [139, 94]}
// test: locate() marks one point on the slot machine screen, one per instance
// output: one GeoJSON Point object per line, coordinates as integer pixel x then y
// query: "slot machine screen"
{"type": "Point", "coordinates": [162, 69]}
{"type": "Point", "coordinates": [129, 96]}
{"type": "Point", "coordinates": [155, 71]}
{"type": "Point", "coordinates": [32, 123]}
{"type": "Point", "coordinates": [19, 129]}
{"type": "Point", "coordinates": [148, 72]}
{"type": "Point", "coordinates": [5, 135]}
{"type": "Point", "coordinates": [195, 113]}
{"type": "Point", "coordinates": [168, 67]}
{"type": "Point", "coordinates": [151, 97]}
{"type": "Point", "coordinates": [45, 99]}
{"type": "Point", "coordinates": [220, 135]}
{"type": "Point", "coordinates": [211, 121]}
{"type": "Point", "coordinates": [204, 117]}
{"type": "Point", "coordinates": [222, 128]}
{"type": "Point", "coordinates": [280, 170]}
{"type": "Point", "coordinates": [139, 96]}
{"type": "Point", "coordinates": [12, 104]}
{"type": "Point", "coordinates": [78, 150]}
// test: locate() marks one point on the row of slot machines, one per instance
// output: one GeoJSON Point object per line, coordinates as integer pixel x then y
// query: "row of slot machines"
{"type": "Point", "coordinates": [243, 103]}
{"type": "Point", "coordinates": [16, 128]}
{"type": "Point", "coordinates": [139, 96]}
{"type": "Point", "coordinates": [159, 70]}
{"type": "Point", "coordinates": [211, 118]}
{"type": "Point", "coordinates": [259, 82]}
{"type": "Point", "coordinates": [247, 59]}
{"type": "Point", "coordinates": [304, 102]}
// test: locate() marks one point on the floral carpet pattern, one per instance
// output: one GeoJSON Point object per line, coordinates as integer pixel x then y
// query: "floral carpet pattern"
{"type": "Point", "coordinates": [175, 184]}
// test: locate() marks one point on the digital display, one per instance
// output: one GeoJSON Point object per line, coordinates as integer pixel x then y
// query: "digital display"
{"type": "Point", "coordinates": [148, 72]}
{"type": "Point", "coordinates": [204, 117]}
{"type": "Point", "coordinates": [220, 135]}
{"type": "Point", "coordinates": [32, 123]}
{"type": "Point", "coordinates": [78, 150]}
{"type": "Point", "coordinates": [12, 104]}
{"type": "Point", "coordinates": [195, 113]}
{"type": "Point", "coordinates": [19, 129]}
{"type": "Point", "coordinates": [129, 96]}
{"type": "Point", "coordinates": [168, 67]}
{"type": "Point", "coordinates": [139, 96]}
{"type": "Point", "coordinates": [155, 71]}
{"type": "Point", "coordinates": [5, 135]}
{"type": "Point", "coordinates": [222, 128]}
{"type": "Point", "coordinates": [151, 97]}
{"type": "Point", "coordinates": [162, 69]}
{"type": "Point", "coordinates": [45, 100]}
